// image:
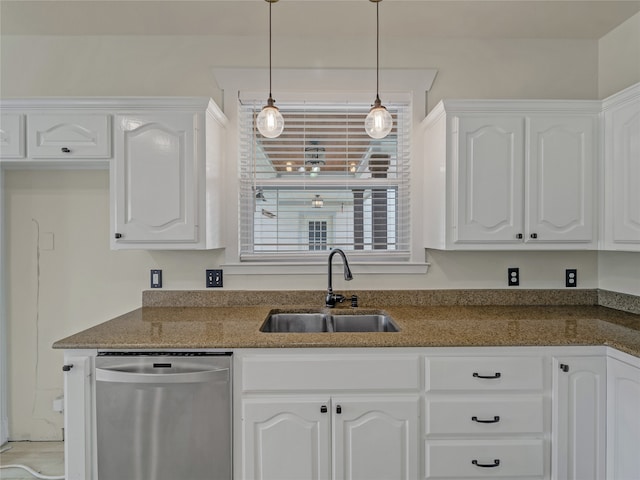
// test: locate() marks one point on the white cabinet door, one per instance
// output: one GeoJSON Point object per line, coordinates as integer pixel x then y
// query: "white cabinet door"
{"type": "Point", "coordinates": [154, 175]}
{"type": "Point", "coordinates": [579, 397]}
{"type": "Point", "coordinates": [490, 179]}
{"type": "Point", "coordinates": [12, 137]}
{"type": "Point", "coordinates": [78, 405]}
{"type": "Point", "coordinates": [60, 136]}
{"type": "Point", "coordinates": [623, 420]}
{"type": "Point", "coordinates": [286, 438]}
{"type": "Point", "coordinates": [622, 173]}
{"type": "Point", "coordinates": [560, 174]}
{"type": "Point", "coordinates": [375, 438]}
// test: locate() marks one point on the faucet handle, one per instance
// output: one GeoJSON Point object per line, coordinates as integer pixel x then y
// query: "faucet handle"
{"type": "Point", "coordinates": [333, 298]}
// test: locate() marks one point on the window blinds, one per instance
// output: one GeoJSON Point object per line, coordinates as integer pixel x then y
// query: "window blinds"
{"type": "Point", "coordinates": [324, 183]}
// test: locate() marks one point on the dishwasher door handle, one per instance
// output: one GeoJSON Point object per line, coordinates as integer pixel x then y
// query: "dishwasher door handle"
{"type": "Point", "coordinates": [203, 376]}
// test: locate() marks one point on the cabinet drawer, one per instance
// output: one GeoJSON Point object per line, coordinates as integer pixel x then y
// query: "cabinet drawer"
{"type": "Point", "coordinates": [336, 372]}
{"type": "Point", "coordinates": [484, 415]}
{"type": "Point", "coordinates": [62, 136]}
{"type": "Point", "coordinates": [12, 135]}
{"type": "Point", "coordinates": [484, 459]}
{"type": "Point", "coordinates": [484, 374]}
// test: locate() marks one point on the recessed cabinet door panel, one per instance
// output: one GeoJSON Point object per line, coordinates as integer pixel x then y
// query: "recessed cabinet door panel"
{"type": "Point", "coordinates": [155, 178]}
{"type": "Point", "coordinates": [62, 136]}
{"type": "Point", "coordinates": [375, 438]}
{"type": "Point", "coordinates": [626, 174]}
{"type": "Point", "coordinates": [623, 420]}
{"type": "Point", "coordinates": [286, 439]}
{"type": "Point", "coordinates": [579, 385]}
{"type": "Point", "coordinates": [489, 180]}
{"type": "Point", "coordinates": [560, 191]}
{"type": "Point", "coordinates": [11, 135]}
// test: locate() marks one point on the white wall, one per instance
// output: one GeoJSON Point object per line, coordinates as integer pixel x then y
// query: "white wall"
{"type": "Point", "coordinates": [619, 58]}
{"type": "Point", "coordinates": [619, 67]}
{"type": "Point", "coordinates": [52, 293]}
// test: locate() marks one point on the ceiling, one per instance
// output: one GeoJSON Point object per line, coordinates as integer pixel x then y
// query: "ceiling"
{"type": "Point", "coordinates": [570, 19]}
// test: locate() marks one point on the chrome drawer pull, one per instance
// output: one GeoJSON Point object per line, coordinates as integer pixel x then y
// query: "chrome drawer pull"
{"type": "Point", "coordinates": [486, 465]}
{"type": "Point", "coordinates": [496, 419]}
{"type": "Point", "coordinates": [477, 375]}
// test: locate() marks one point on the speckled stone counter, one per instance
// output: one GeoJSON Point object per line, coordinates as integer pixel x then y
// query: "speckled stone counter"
{"type": "Point", "coordinates": [232, 325]}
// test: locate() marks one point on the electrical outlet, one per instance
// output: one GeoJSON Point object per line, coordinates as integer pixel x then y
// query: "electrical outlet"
{"type": "Point", "coordinates": [214, 278]}
{"type": "Point", "coordinates": [513, 277]}
{"type": "Point", "coordinates": [571, 277]}
{"type": "Point", "coordinates": [156, 278]}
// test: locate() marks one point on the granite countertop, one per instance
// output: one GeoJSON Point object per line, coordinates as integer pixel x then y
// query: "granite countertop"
{"type": "Point", "coordinates": [231, 326]}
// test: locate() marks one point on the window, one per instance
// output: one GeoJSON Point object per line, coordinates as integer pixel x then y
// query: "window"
{"type": "Point", "coordinates": [324, 183]}
{"type": "Point", "coordinates": [317, 235]}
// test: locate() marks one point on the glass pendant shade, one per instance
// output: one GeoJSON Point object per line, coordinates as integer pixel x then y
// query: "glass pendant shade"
{"type": "Point", "coordinates": [379, 121]}
{"type": "Point", "coordinates": [270, 122]}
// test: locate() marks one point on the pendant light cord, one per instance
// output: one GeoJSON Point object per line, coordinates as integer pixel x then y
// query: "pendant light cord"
{"type": "Point", "coordinates": [378, 51]}
{"type": "Point", "coordinates": [270, 50]}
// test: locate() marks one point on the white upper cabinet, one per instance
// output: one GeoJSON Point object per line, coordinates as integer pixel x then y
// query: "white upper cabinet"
{"type": "Point", "coordinates": [504, 175]}
{"type": "Point", "coordinates": [621, 226]}
{"type": "Point", "coordinates": [12, 137]}
{"type": "Point", "coordinates": [69, 135]}
{"type": "Point", "coordinates": [166, 176]}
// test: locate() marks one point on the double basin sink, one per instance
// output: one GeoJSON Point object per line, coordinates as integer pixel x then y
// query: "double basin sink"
{"type": "Point", "coordinates": [327, 321]}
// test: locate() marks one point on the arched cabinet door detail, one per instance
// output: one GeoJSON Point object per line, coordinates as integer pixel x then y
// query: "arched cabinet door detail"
{"type": "Point", "coordinates": [155, 168]}
{"type": "Point", "coordinates": [286, 439]}
{"type": "Point", "coordinates": [72, 136]}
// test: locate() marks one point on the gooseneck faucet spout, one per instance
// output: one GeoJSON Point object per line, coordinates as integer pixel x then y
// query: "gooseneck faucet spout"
{"type": "Point", "coordinates": [332, 298]}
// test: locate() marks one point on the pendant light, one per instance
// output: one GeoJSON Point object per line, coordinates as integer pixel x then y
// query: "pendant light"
{"type": "Point", "coordinates": [270, 122]}
{"type": "Point", "coordinates": [379, 121]}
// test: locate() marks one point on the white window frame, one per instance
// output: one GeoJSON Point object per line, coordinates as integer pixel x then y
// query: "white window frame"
{"type": "Point", "coordinates": [296, 84]}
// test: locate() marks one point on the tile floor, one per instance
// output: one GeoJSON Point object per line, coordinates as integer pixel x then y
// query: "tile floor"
{"type": "Point", "coordinates": [46, 458]}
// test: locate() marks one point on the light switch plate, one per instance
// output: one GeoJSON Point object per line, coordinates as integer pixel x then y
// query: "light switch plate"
{"type": "Point", "coordinates": [156, 278]}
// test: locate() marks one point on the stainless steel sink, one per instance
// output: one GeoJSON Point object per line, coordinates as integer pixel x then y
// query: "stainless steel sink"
{"type": "Point", "coordinates": [363, 323]}
{"type": "Point", "coordinates": [319, 322]}
{"type": "Point", "coordinates": [296, 323]}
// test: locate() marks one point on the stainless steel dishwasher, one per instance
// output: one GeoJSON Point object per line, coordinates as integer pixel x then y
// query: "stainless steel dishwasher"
{"type": "Point", "coordinates": [163, 416]}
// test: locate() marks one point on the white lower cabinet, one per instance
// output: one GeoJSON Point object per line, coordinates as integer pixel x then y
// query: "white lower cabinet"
{"type": "Point", "coordinates": [350, 417]}
{"type": "Point", "coordinates": [286, 438]}
{"type": "Point", "coordinates": [623, 418]}
{"type": "Point", "coordinates": [299, 438]}
{"type": "Point", "coordinates": [512, 458]}
{"type": "Point", "coordinates": [410, 414]}
{"type": "Point", "coordinates": [486, 417]}
{"type": "Point", "coordinates": [579, 387]}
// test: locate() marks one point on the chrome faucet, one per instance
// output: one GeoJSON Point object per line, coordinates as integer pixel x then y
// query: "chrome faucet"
{"type": "Point", "coordinates": [331, 299]}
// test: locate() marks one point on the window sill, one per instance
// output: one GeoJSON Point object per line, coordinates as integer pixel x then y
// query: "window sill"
{"type": "Point", "coordinates": [320, 268]}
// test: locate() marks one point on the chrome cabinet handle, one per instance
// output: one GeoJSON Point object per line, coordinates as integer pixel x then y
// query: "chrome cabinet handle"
{"type": "Point", "coordinates": [495, 463]}
{"type": "Point", "coordinates": [65, 150]}
{"type": "Point", "coordinates": [339, 409]}
{"type": "Point", "coordinates": [534, 235]}
{"type": "Point", "coordinates": [519, 236]}
{"type": "Point", "coordinates": [323, 409]}
{"type": "Point", "coordinates": [496, 419]}
{"type": "Point", "coordinates": [496, 375]}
